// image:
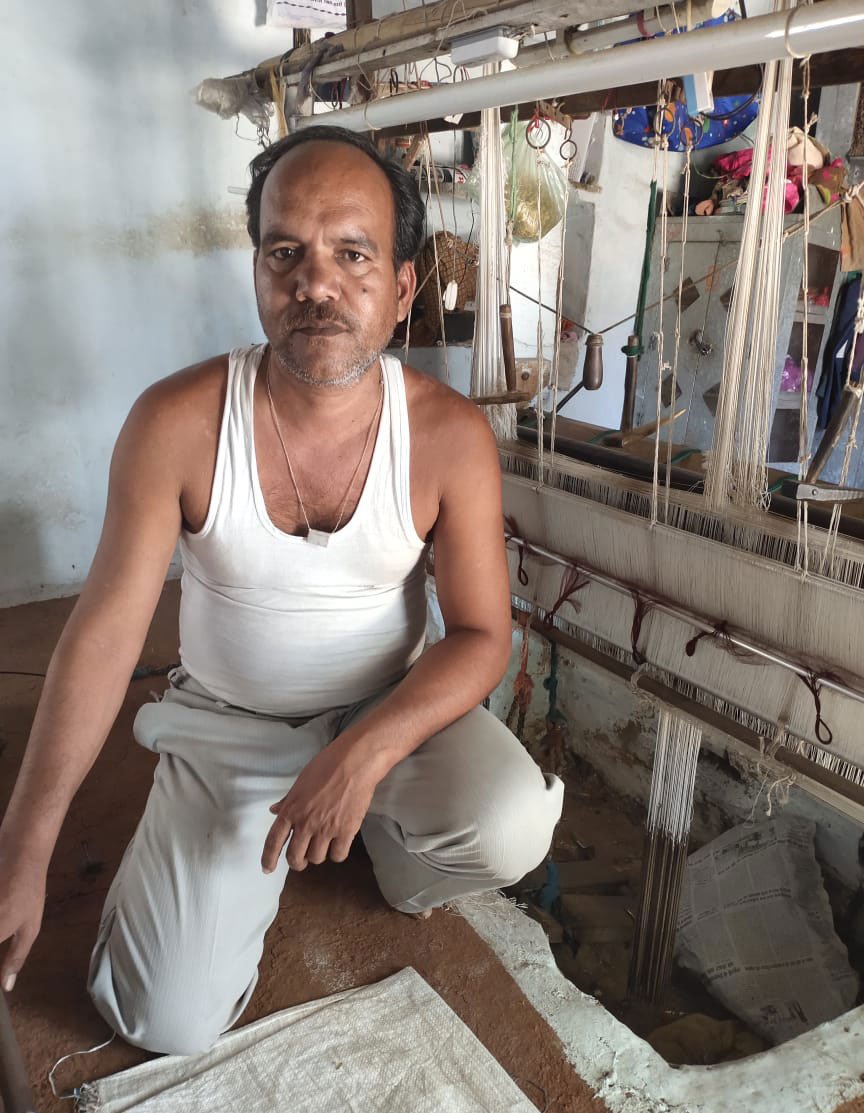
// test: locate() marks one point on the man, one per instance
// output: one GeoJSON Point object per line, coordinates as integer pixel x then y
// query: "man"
{"type": "Point", "coordinates": [304, 479]}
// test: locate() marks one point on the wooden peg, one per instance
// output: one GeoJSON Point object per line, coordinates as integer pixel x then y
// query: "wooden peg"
{"type": "Point", "coordinates": [621, 440]}
{"type": "Point", "coordinates": [502, 399]}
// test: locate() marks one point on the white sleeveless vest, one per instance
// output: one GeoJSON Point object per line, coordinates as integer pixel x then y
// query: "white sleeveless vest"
{"type": "Point", "coordinates": [274, 624]}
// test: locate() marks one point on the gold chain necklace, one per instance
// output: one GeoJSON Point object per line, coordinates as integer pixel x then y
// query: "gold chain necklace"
{"type": "Point", "coordinates": [319, 536]}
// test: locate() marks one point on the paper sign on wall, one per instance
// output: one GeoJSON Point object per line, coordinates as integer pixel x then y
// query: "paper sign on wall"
{"type": "Point", "coordinates": [307, 13]}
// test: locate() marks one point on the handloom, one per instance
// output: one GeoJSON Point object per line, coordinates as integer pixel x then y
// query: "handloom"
{"type": "Point", "coordinates": [732, 607]}
{"type": "Point", "coordinates": [711, 597]}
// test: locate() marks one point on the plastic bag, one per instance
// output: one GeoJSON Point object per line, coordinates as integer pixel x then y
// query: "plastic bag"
{"type": "Point", "coordinates": [535, 190]}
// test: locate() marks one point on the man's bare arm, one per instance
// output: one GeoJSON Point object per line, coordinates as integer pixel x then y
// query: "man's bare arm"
{"type": "Point", "coordinates": [329, 800]}
{"type": "Point", "coordinates": [90, 668]}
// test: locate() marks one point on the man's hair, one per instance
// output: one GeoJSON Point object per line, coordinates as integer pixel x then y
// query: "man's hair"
{"type": "Point", "coordinates": [409, 209]}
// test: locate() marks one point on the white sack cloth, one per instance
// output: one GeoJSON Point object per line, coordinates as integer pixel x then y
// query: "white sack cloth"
{"type": "Point", "coordinates": [386, 1048]}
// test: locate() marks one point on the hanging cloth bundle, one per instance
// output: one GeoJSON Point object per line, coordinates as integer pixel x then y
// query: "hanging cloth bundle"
{"type": "Point", "coordinates": [493, 281]}
{"type": "Point", "coordinates": [737, 467]}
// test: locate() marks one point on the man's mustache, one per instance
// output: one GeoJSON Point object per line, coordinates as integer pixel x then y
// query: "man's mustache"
{"type": "Point", "coordinates": [312, 315]}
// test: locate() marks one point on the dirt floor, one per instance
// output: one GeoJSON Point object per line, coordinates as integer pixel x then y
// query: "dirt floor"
{"type": "Point", "coordinates": [333, 931]}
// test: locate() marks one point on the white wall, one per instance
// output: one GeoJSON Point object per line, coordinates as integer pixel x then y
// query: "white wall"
{"type": "Point", "coordinates": [123, 255]}
{"type": "Point", "coordinates": [609, 274]}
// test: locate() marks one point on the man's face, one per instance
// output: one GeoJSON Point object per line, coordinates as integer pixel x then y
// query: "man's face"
{"type": "Point", "coordinates": [328, 294]}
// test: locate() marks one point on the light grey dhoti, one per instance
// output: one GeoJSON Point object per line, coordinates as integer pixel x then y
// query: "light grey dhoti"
{"type": "Point", "coordinates": [183, 927]}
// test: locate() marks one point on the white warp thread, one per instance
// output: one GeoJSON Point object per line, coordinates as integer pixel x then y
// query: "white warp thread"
{"type": "Point", "coordinates": [737, 466]}
{"type": "Point", "coordinates": [487, 364]}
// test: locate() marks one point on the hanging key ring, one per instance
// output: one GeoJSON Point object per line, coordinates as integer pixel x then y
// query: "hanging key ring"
{"type": "Point", "coordinates": [568, 150]}
{"type": "Point", "coordinates": [538, 132]}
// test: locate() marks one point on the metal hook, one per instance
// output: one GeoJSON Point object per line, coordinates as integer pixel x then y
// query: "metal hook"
{"type": "Point", "coordinates": [568, 150]}
{"type": "Point", "coordinates": [537, 124]}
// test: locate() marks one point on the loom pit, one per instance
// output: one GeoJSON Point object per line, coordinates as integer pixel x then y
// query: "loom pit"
{"type": "Point", "coordinates": [490, 963]}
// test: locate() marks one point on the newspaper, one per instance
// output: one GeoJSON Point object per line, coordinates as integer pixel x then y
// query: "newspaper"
{"type": "Point", "coordinates": [755, 925]}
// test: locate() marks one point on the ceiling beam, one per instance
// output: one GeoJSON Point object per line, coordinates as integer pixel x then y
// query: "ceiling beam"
{"type": "Point", "coordinates": [837, 67]}
{"type": "Point", "coordinates": [421, 32]}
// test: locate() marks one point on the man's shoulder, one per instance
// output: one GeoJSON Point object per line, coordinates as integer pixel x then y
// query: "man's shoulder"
{"type": "Point", "coordinates": [185, 396]}
{"type": "Point", "coordinates": [436, 408]}
{"type": "Point", "coordinates": [450, 436]}
{"type": "Point", "coordinates": [196, 380]}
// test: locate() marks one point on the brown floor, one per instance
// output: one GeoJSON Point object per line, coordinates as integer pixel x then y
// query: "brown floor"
{"type": "Point", "coordinates": [334, 930]}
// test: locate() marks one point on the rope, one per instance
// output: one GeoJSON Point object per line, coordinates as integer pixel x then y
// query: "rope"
{"type": "Point", "coordinates": [559, 300]}
{"type": "Point", "coordinates": [523, 687]}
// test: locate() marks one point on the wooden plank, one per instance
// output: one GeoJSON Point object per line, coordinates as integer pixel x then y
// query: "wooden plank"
{"type": "Point", "coordinates": [358, 12]}
{"type": "Point", "coordinates": [596, 877]}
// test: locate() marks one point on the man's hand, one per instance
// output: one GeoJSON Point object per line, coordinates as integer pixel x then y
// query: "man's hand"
{"type": "Point", "coordinates": [22, 901]}
{"type": "Point", "coordinates": [323, 811]}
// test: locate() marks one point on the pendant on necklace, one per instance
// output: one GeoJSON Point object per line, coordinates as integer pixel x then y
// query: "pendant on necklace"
{"type": "Point", "coordinates": [318, 537]}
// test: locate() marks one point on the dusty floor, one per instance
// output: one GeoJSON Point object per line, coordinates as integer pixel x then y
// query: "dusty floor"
{"type": "Point", "coordinates": [333, 931]}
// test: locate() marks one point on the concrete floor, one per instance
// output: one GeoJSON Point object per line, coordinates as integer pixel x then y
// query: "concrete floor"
{"type": "Point", "coordinates": [333, 931]}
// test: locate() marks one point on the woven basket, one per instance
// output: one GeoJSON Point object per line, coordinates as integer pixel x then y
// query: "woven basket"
{"type": "Point", "coordinates": [457, 262]}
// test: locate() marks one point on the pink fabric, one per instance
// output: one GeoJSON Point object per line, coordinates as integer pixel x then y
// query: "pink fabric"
{"type": "Point", "coordinates": [739, 165]}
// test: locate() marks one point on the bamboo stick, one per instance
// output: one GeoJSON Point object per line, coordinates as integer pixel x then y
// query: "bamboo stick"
{"type": "Point", "coordinates": [14, 1081]}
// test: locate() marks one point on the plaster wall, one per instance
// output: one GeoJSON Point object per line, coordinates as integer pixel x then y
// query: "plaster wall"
{"type": "Point", "coordinates": [125, 255]}
{"type": "Point", "coordinates": [602, 273]}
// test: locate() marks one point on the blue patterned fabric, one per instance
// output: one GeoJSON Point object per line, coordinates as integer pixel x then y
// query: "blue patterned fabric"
{"type": "Point", "coordinates": [731, 115]}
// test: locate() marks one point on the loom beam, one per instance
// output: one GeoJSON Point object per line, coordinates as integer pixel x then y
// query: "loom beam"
{"type": "Point", "coordinates": [829, 25]}
{"type": "Point", "coordinates": [761, 616]}
{"type": "Point", "coordinates": [606, 455]}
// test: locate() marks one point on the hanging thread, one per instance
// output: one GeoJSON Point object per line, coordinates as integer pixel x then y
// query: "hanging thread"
{"type": "Point", "coordinates": [670, 812]}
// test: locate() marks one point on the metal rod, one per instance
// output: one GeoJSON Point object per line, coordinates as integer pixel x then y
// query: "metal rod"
{"type": "Point", "coordinates": [14, 1081]}
{"type": "Point", "coordinates": [828, 25]}
{"type": "Point", "coordinates": [690, 617]}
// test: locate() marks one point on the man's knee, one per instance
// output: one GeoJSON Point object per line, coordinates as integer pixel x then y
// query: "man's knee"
{"type": "Point", "coordinates": [160, 1025]}
{"type": "Point", "coordinates": [525, 814]}
{"type": "Point", "coordinates": [171, 1007]}
{"type": "Point", "coordinates": [168, 1020]}
{"type": "Point", "coordinates": [510, 832]}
